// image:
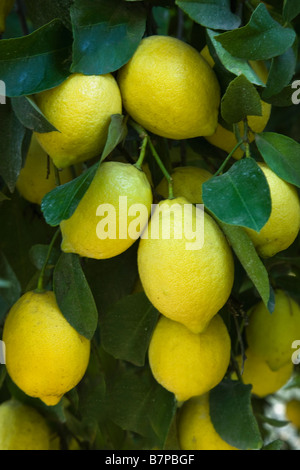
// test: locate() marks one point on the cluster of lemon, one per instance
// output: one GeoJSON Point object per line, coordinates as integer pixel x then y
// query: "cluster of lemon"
{"type": "Point", "coordinates": [172, 91]}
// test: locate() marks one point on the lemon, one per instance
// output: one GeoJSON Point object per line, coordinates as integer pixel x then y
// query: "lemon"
{"type": "Point", "coordinates": [22, 427]}
{"type": "Point", "coordinates": [225, 139]}
{"type": "Point", "coordinates": [45, 356]}
{"type": "Point", "coordinates": [187, 182]}
{"type": "Point", "coordinates": [292, 412]}
{"type": "Point", "coordinates": [5, 8]}
{"type": "Point", "coordinates": [195, 428]}
{"type": "Point", "coordinates": [283, 226]}
{"type": "Point", "coordinates": [264, 380]}
{"type": "Point", "coordinates": [185, 281]}
{"type": "Point", "coordinates": [80, 109]}
{"type": "Point", "coordinates": [116, 189]}
{"type": "Point", "coordinates": [37, 177]}
{"type": "Point", "coordinates": [185, 363]}
{"type": "Point", "coordinates": [270, 335]}
{"type": "Point", "coordinates": [169, 89]}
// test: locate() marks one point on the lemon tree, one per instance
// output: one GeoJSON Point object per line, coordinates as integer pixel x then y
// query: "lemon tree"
{"type": "Point", "coordinates": [150, 218]}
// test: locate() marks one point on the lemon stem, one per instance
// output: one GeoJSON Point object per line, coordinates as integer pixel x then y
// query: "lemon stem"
{"type": "Point", "coordinates": [228, 158]}
{"type": "Point", "coordinates": [57, 176]}
{"type": "Point", "coordinates": [40, 285]}
{"type": "Point", "coordinates": [140, 160]}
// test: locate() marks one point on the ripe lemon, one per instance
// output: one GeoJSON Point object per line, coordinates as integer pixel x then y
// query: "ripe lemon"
{"type": "Point", "coordinates": [270, 335]}
{"type": "Point", "coordinates": [195, 428]}
{"type": "Point", "coordinates": [189, 364]}
{"type": "Point", "coordinates": [264, 380]}
{"type": "Point", "coordinates": [37, 177]}
{"type": "Point", "coordinates": [283, 225]}
{"type": "Point", "coordinates": [88, 234]}
{"type": "Point", "coordinates": [187, 182]}
{"type": "Point", "coordinates": [80, 109]}
{"type": "Point", "coordinates": [169, 88]}
{"type": "Point", "coordinates": [292, 412]}
{"type": "Point", "coordinates": [225, 139]}
{"type": "Point", "coordinates": [184, 281]}
{"type": "Point", "coordinates": [45, 356]}
{"type": "Point", "coordinates": [22, 427]}
{"type": "Point", "coordinates": [5, 8]}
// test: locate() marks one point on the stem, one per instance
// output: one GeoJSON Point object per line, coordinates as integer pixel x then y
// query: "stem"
{"type": "Point", "coordinates": [228, 157]}
{"type": "Point", "coordinates": [140, 160]}
{"type": "Point", "coordinates": [57, 176]}
{"type": "Point", "coordinates": [40, 286]}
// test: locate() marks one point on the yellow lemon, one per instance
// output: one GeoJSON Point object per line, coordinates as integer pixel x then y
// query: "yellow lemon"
{"type": "Point", "coordinates": [169, 88]}
{"type": "Point", "coordinates": [80, 109]}
{"type": "Point", "coordinates": [264, 380]}
{"type": "Point", "coordinates": [283, 226]}
{"type": "Point", "coordinates": [187, 182]}
{"type": "Point", "coordinates": [189, 364]}
{"type": "Point", "coordinates": [292, 412]}
{"type": "Point", "coordinates": [105, 223]}
{"type": "Point", "coordinates": [37, 177]}
{"type": "Point", "coordinates": [45, 356]}
{"type": "Point", "coordinates": [186, 281]}
{"type": "Point", "coordinates": [22, 427]}
{"type": "Point", "coordinates": [270, 335]}
{"type": "Point", "coordinates": [5, 8]}
{"type": "Point", "coordinates": [195, 428]}
{"type": "Point", "coordinates": [225, 139]}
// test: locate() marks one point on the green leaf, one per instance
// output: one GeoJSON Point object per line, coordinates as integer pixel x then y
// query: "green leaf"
{"type": "Point", "coordinates": [74, 296]}
{"type": "Point", "coordinates": [127, 327]}
{"type": "Point", "coordinates": [251, 262]}
{"type": "Point", "coordinates": [106, 34]}
{"type": "Point", "coordinates": [276, 423]}
{"type": "Point", "coordinates": [291, 9]}
{"type": "Point", "coordinates": [261, 39]}
{"type": "Point", "coordinates": [286, 97]}
{"type": "Point", "coordinates": [36, 62]}
{"type": "Point", "coordinates": [51, 10]}
{"type": "Point", "coordinates": [241, 196]}
{"type": "Point", "coordinates": [274, 445]}
{"type": "Point", "coordinates": [281, 154]}
{"type": "Point", "coordinates": [232, 415]}
{"type": "Point", "coordinates": [215, 14]}
{"type": "Point", "coordinates": [117, 132]}
{"type": "Point", "coordinates": [38, 254]}
{"type": "Point", "coordinates": [240, 100]}
{"type": "Point", "coordinates": [281, 72]}
{"type": "Point", "coordinates": [10, 292]}
{"type": "Point", "coordinates": [138, 403]}
{"type": "Point", "coordinates": [60, 203]}
{"type": "Point", "coordinates": [30, 115]}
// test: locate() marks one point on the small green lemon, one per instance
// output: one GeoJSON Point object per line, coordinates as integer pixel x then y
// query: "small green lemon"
{"type": "Point", "coordinates": [22, 427]}
{"type": "Point", "coordinates": [270, 335]}
{"type": "Point", "coordinates": [169, 88]}
{"type": "Point", "coordinates": [189, 364]}
{"type": "Point", "coordinates": [45, 356]}
{"type": "Point", "coordinates": [283, 225]}
{"type": "Point", "coordinates": [195, 428]}
{"type": "Point", "coordinates": [186, 281]}
{"type": "Point", "coordinates": [80, 109]}
{"type": "Point", "coordinates": [292, 412]}
{"type": "Point", "coordinates": [115, 191]}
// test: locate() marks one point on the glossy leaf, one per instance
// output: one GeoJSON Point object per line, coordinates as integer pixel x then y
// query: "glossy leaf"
{"type": "Point", "coordinates": [215, 14]}
{"type": "Point", "coordinates": [291, 9]}
{"type": "Point", "coordinates": [240, 100]}
{"type": "Point", "coordinates": [117, 132]}
{"type": "Point", "coordinates": [30, 115]}
{"type": "Point", "coordinates": [281, 72]}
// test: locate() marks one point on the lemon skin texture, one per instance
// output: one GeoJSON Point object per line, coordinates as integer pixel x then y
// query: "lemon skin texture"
{"type": "Point", "coordinates": [187, 182]}
{"type": "Point", "coordinates": [36, 179]}
{"type": "Point", "coordinates": [80, 109]}
{"type": "Point", "coordinates": [185, 363]}
{"type": "Point", "coordinates": [22, 427]}
{"type": "Point", "coordinates": [170, 90]}
{"type": "Point", "coordinates": [264, 380]}
{"type": "Point", "coordinates": [45, 356]}
{"type": "Point", "coordinates": [195, 428]}
{"type": "Point", "coordinates": [283, 226]}
{"type": "Point", "coordinates": [5, 8]}
{"type": "Point", "coordinates": [186, 285]}
{"type": "Point", "coordinates": [112, 180]}
{"type": "Point", "coordinates": [292, 412]}
{"type": "Point", "coordinates": [270, 335]}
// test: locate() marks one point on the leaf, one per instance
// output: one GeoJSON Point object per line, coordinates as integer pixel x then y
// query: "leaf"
{"type": "Point", "coordinates": [51, 10]}
{"type": "Point", "coordinates": [291, 9]}
{"type": "Point", "coordinates": [281, 72]}
{"type": "Point", "coordinates": [30, 115]}
{"type": "Point", "coordinates": [240, 100]}
{"type": "Point", "coordinates": [251, 262]}
{"type": "Point", "coordinates": [36, 62]}
{"type": "Point", "coordinates": [215, 14]}
{"type": "Point", "coordinates": [60, 203]}
{"type": "Point", "coordinates": [281, 154]}
{"type": "Point", "coordinates": [10, 292]}
{"type": "Point", "coordinates": [127, 327]}
{"type": "Point", "coordinates": [274, 445]}
{"type": "Point", "coordinates": [232, 415]}
{"type": "Point", "coordinates": [241, 196]}
{"type": "Point", "coordinates": [74, 296]}
{"type": "Point", "coordinates": [286, 97]}
{"type": "Point", "coordinates": [117, 132]}
{"type": "Point", "coordinates": [276, 423]}
{"type": "Point", "coordinates": [261, 39]}
{"type": "Point", "coordinates": [38, 255]}
{"type": "Point", "coordinates": [106, 34]}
